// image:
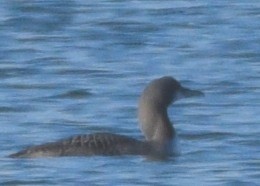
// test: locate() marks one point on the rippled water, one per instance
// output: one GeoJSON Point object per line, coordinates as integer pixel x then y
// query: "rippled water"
{"type": "Point", "coordinates": [73, 67]}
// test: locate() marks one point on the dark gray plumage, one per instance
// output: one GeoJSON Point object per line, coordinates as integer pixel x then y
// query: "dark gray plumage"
{"type": "Point", "coordinates": [86, 145]}
{"type": "Point", "coordinates": [154, 122]}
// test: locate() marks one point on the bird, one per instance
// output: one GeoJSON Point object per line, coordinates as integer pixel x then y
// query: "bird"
{"type": "Point", "coordinates": [159, 133]}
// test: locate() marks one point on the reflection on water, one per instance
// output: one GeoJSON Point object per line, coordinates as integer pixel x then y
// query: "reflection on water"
{"type": "Point", "coordinates": [72, 67]}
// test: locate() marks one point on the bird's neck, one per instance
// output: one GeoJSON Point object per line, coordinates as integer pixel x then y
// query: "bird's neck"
{"type": "Point", "coordinates": [155, 124]}
{"type": "Point", "coordinates": [164, 130]}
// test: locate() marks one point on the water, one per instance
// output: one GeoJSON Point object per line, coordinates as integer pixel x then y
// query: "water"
{"type": "Point", "coordinates": [73, 67]}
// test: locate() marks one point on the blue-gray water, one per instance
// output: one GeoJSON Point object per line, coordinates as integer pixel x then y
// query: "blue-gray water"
{"type": "Point", "coordinates": [72, 67]}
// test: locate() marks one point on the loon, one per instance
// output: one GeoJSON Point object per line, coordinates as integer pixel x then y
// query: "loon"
{"type": "Point", "coordinates": [155, 124]}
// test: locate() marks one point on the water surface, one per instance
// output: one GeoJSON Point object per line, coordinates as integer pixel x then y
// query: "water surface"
{"type": "Point", "coordinates": [76, 67]}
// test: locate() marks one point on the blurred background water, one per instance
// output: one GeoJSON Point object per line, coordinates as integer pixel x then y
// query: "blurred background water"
{"type": "Point", "coordinates": [71, 67]}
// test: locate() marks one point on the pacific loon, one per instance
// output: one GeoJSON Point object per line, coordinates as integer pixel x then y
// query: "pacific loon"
{"type": "Point", "coordinates": [154, 122]}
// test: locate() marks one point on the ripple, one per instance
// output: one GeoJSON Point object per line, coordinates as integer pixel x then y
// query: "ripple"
{"type": "Point", "coordinates": [82, 71]}
{"type": "Point", "coordinates": [24, 108]}
{"type": "Point", "coordinates": [8, 72]}
{"type": "Point", "coordinates": [8, 109]}
{"type": "Point", "coordinates": [207, 135]}
{"type": "Point", "coordinates": [20, 182]}
{"type": "Point", "coordinates": [33, 86]}
{"type": "Point", "coordinates": [73, 94]}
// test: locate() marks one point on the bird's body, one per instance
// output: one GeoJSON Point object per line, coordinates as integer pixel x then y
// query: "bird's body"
{"type": "Point", "coordinates": [87, 145]}
{"type": "Point", "coordinates": [160, 135]}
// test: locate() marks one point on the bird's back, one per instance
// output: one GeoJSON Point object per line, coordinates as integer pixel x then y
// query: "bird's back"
{"type": "Point", "coordinates": [87, 145]}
